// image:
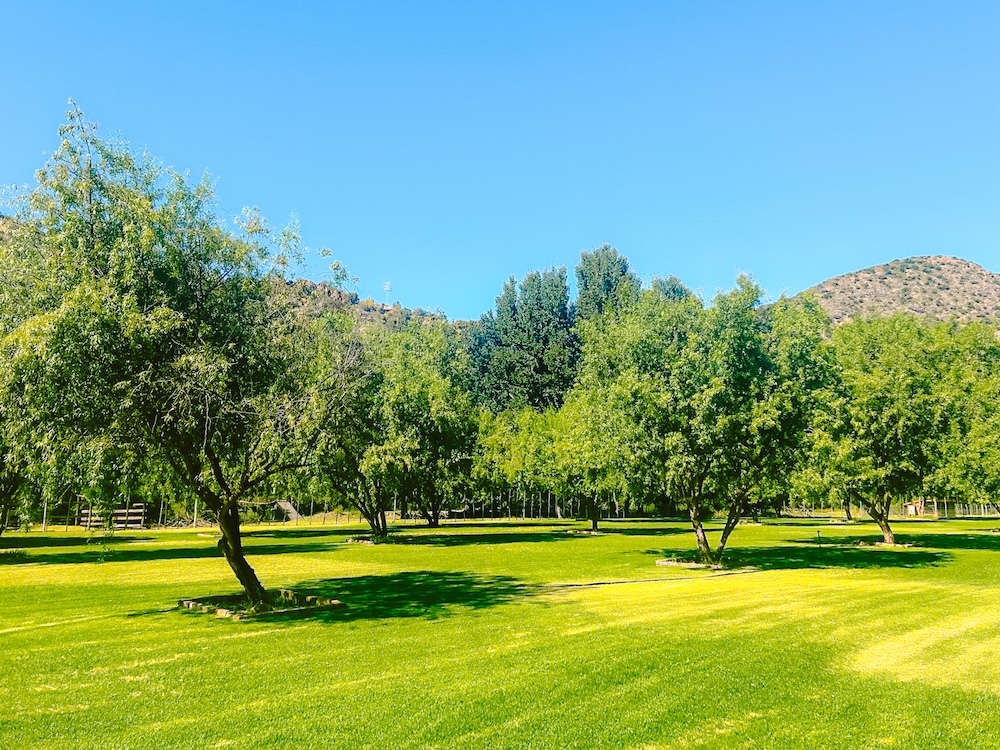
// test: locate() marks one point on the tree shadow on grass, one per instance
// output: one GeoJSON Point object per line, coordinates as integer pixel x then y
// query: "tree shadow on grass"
{"type": "Point", "coordinates": [609, 528]}
{"type": "Point", "coordinates": [528, 535]}
{"type": "Point", "coordinates": [301, 532]}
{"type": "Point", "coordinates": [461, 540]}
{"type": "Point", "coordinates": [806, 555]}
{"type": "Point", "coordinates": [808, 521]}
{"type": "Point", "coordinates": [425, 594]}
{"type": "Point", "coordinates": [97, 553]}
{"type": "Point", "coordinates": [40, 541]}
{"type": "Point", "coordinates": [461, 523]}
{"type": "Point", "coordinates": [985, 540]}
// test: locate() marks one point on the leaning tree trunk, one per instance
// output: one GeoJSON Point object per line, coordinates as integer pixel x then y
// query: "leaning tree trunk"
{"type": "Point", "coordinates": [735, 511]}
{"type": "Point", "coordinates": [847, 508]}
{"type": "Point", "coordinates": [704, 549]}
{"type": "Point", "coordinates": [879, 511]}
{"type": "Point", "coordinates": [231, 544]}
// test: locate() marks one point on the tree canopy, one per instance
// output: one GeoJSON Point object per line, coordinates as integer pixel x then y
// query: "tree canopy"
{"type": "Point", "coordinates": [150, 350]}
{"type": "Point", "coordinates": [139, 329]}
{"type": "Point", "coordinates": [525, 352]}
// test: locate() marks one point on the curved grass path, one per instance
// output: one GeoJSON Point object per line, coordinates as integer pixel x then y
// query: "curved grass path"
{"type": "Point", "coordinates": [481, 635]}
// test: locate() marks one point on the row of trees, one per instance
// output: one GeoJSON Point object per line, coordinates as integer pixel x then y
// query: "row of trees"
{"type": "Point", "coordinates": [738, 407]}
{"type": "Point", "coordinates": [147, 349]}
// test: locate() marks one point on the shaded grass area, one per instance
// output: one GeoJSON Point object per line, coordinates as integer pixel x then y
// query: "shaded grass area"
{"type": "Point", "coordinates": [124, 553]}
{"type": "Point", "coordinates": [74, 539]}
{"type": "Point", "coordinates": [446, 539]}
{"type": "Point", "coordinates": [491, 642]}
{"type": "Point", "coordinates": [424, 593]}
{"type": "Point", "coordinates": [811, 554]}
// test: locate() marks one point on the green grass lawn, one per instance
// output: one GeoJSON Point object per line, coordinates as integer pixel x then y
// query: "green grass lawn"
{"type": "Point", "coordinates": [490, 635]}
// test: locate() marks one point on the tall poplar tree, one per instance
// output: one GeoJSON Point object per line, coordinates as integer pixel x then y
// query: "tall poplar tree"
{"type": "Point", "coordinates": [525, 352]}
{"type": "Point", "coordinates": [605, 283]}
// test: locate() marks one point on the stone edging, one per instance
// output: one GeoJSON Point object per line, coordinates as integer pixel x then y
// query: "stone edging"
{"type": "Point", "coordinates": [298, 602]}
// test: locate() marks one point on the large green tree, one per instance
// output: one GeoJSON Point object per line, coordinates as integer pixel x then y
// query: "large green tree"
{"type": "Point", "coordinates": [430, 414]}
{"type": "Point", "coordinates": [138, 325]}
{"type": "Point", "coordinates": [407, 436]}
{"type": "Point", "coordinates": [788, 365]}
{"type": "Point", "coordinates": [877, 435]}
{"type": "Point", "coordinates": [701, 404]}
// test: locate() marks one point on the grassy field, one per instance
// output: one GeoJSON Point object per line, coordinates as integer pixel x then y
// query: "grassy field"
{"type": "Point", "coordinates": [486, 635]}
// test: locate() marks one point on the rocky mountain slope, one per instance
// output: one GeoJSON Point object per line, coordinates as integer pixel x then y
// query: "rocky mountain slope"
{"type": "Point", "coordinates": [315, 298]}
{"type": "Point", "coordinates": [938, 287]}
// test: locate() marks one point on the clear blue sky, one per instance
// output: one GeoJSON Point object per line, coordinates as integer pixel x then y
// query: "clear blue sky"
{"type": "Point", "coordinates": [446, 146]}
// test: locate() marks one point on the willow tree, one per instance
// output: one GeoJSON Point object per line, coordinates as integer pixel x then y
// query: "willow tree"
{"type": "Point", "coordinates": [431, 420]}
{"type": "Point", "coordinates": [14, 490]}
{"type": "Point", "coordinates": [407, 433]}
{"type": "Point", "coordinates": [135, 318]}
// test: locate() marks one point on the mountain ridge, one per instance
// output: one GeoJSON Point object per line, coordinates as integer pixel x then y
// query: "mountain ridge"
{"type": "Point", "coordinates": [939, 287]}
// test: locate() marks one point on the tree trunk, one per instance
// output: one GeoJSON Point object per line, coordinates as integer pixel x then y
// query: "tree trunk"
{"type": "Point", "coordinates": [375, 517]}
{"type": "Point", "coordinates": [704, 550]}
{"type": "Point", "coordinates": [883, 523]}
{"type": "Point", "coordinates": [431, 513]}
{"type": "Point", "coordinates": [879, 511]}
{"type": "Point", "coordinates": [847, 509]}
{"type": "Point", "coordinates": [231, 545]}
{"type": "Point", "coordinates": [735, 511]}
{"type": "Point", "coordinates": [595, 513]}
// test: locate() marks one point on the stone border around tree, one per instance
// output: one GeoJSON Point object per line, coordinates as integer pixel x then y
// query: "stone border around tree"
{"type": "Point", "coordinates": [298, 603]}
{"type": "Point", "coordinates": [688, 565]}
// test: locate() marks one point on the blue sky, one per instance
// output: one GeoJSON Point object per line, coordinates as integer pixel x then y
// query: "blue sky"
{"type": "Point", "coordinates": [446, 146]}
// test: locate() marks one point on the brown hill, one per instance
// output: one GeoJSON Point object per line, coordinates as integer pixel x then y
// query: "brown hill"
{"type": "Point", "coordinates": [938, 287]}
{"type": "Point", "coordinates": [315, 298]}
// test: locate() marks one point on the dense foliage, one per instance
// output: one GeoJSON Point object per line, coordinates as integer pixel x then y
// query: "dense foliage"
{"type": "Point", "coordinates": [149, 352]}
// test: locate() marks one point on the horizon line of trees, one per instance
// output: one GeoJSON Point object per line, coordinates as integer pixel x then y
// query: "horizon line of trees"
{"type": "Point", "coordinates": [150, 352]}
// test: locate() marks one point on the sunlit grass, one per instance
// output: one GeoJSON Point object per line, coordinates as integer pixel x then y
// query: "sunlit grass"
{"type": "Point", "coordinates": [508, 635]}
